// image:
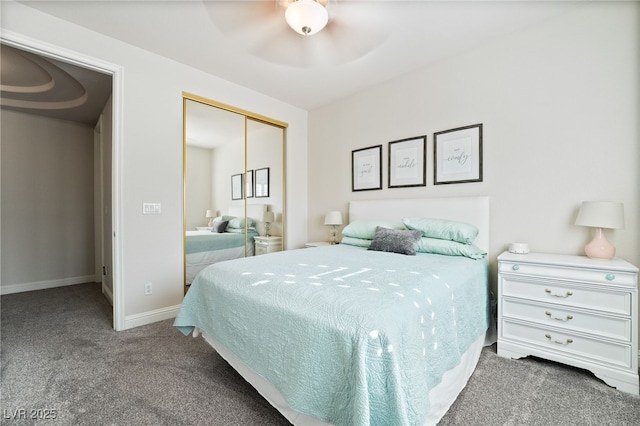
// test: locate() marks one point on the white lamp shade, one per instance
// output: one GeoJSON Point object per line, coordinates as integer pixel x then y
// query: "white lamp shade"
{"type": "Point", "coordinates": [601, 214]}
{"type": "Point", "coordinates": [306, 17]}
{"type": "Point", "coordinates": [333, 218]}
{"type": "Point", "coordinates": [209, 214]}
{"type": "Point", "coordinates": [268, 217]}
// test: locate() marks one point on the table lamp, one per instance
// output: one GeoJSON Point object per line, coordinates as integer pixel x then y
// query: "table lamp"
{"type": "Point", "coordinates": [268, 218]}
{"type": "Point", "coordinates": [599, 215]}
{"type": "Point", "coordinates": [333, 219]}
{"type": "Point", "coordinates": [210, 215]}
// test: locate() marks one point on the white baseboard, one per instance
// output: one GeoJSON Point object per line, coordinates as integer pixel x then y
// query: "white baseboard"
{"type": "Point", "coordinates": [150, 317]}
{"type": "Point", "coordinates": [107, 293]}
{"type": "Point", "coordinates": [42, 285]}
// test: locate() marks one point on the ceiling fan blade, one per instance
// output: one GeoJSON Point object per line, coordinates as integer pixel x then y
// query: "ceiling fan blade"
{"type": "Point", "coordinates": [259, 27]}
{"type": "Point", "coordinates": [239, 18]}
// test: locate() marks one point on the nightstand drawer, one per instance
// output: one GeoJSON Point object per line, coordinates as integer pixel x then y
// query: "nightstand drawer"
{"type": "Point", "coordinates": [599, 276]}
{"type": "Point", "coordinates": [266, 245]}
{"type": "Point", "coordinates": [598, 299]}
{"type": "Point", "coordinates": [607, 352]}
{"type": "Point", "coordinates": [568, 319]}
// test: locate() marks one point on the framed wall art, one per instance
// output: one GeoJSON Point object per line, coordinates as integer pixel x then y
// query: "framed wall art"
{"type": "Point", "coordinates": [262, 183]}
{"type": "Point", "coordinates": [366, 168]}
{"type": "Point", "coordinates": [458, 155]}
{"type": "Point", "coordinates": [236, 187]}
{"type": "Point", "coordinates": [249, 185]}
{"type": "Point", "coordinates": [407, 159]}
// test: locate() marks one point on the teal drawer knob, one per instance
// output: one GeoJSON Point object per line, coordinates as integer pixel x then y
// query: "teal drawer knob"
{"type": "Point", "coordinates": [611, 277]}
{"type": "Point", "coordinates": [515, 267]}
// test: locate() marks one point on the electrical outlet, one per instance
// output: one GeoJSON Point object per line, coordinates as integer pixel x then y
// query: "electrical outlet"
{"type": "Point", "coordinates": [148, 289]}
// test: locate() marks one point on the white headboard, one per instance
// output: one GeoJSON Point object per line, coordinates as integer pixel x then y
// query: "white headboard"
{"type": "Point", "coordinates": [254, 211]}
{"type": "Point", "coordinates": [472, 210]}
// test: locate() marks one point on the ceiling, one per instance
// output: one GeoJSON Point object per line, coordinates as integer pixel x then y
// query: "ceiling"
{"type": "Point", "coordinates": [249, 43]}
{"type": "Point", "coordinates": [51, 88]}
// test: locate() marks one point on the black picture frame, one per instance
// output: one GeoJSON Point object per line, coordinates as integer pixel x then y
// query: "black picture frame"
{"type": "Point", "coordinates": [237, 192]}
{"type": "Point", "coordinates": [407, 162]}
{"type": "Point", "coordinates": [261, 185]}
{"type": "Point", "coordinates": [457, 155]}
{"type": "Point", "coordinates": [249, 184]}
{"type": "Point", "coordinates": [366, 168]}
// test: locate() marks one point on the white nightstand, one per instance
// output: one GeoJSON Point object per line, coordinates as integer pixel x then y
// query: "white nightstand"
{"type": "Point", "coordinates": [266, 245]}
{"type": "Point", "coordinates": [318, 244]}
{"type": "Point", "coordinates": [571, 309]}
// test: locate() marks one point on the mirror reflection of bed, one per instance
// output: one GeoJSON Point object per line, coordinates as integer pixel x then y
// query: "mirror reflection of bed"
{"type": "Point", "coordinates": [341, 334]}
{"type": "Point", "coordinates": [231, 237]}
{"type": "Point", "coordinates": [224, 146]}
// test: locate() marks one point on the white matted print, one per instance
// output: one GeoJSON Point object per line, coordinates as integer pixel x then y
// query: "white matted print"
{"type": "Point", "coordinates": [458, 155]}
{"type": "Point", "coordinates": [366, 168]}
{"type": "Point", "coordinates": [407, 158]}
{"type": "Point", "coordinates": [236, 187]}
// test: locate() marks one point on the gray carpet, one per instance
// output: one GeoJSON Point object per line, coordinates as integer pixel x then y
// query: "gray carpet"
{"type": "Point", "coordinates": [58, 352]}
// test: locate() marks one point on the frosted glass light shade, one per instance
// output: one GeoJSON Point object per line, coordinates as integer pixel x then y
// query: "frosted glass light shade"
{"type": "Point", "coordinates": [333, 218]}
{"type": "Point", "coordinates": [306, 17]}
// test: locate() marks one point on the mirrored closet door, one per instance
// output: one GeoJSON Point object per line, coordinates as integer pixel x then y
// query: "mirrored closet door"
{"type": "Point", "coordinates": [234, 182]}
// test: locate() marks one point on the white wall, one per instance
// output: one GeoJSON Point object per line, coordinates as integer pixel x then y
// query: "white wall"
{"type": "Point", "coordinates": [151, 156]}
{"type": "Point", "coordinates": [227, 160]}
{"type": "Point", "coordinates": [264, 149]}
{"type": "Point", "coordinates": [199, 186]}
{"type": "Point", "coordinates": [559, 103]}
{"type": "Point", "coordinates": [47, 202]}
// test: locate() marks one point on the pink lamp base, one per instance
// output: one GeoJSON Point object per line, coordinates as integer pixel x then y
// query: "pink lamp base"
{"type": "Point", "coordinates": [600, 247]}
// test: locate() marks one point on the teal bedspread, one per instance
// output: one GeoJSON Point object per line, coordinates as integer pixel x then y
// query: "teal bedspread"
{"type": "Point", "coordinates": [349, 336]}
{"type": "Point", "coordinates": [210, 241]}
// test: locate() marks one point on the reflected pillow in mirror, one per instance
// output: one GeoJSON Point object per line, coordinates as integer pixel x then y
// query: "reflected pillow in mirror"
{"type": "Point", "coordinates": [238, 223]}
{"type": "Point", "coordinates": [220, 227]}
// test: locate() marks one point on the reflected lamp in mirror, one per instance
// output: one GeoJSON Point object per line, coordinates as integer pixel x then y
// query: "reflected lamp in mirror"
{"type": "Point", "coordinates": [268, 218]}
{"type": "Point", "coordinates": [599, 215]}
{"type": "Point", "coordinates": [210, 215]}
{"type": "Point", "coordinates": [333, 219]}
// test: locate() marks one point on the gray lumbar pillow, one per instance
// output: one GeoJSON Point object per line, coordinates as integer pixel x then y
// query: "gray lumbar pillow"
{"type": "Point", "coordinates": [395, 241]}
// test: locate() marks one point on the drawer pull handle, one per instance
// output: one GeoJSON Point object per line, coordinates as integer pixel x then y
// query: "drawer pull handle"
{"type": "Point", "coordinates": [567, 294]}
{"type": "Point", "coordinates": [548, 336]}
{"type": "Point", "coordinates": [515, 267]}
{"type": "Point", "coordinates": [568, 317]}
{"type": "Point", "coordinates": [611, 277]}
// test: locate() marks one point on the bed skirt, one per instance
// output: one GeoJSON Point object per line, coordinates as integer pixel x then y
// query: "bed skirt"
{"type": "Point", "coordinates": [441, 397]}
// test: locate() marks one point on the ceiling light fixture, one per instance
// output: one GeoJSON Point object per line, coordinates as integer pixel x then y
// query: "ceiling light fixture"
{"type": "Point", "coordinates": [306, 17]}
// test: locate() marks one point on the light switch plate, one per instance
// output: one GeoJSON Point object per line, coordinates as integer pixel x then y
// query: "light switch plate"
{"type": "Point", "coordinates": [151, 208]}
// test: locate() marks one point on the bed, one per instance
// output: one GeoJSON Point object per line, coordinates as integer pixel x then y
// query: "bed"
{"type": "Point", "coordinates": [344, 335]}
{"type": "Point", "coordinates": [204, 247]}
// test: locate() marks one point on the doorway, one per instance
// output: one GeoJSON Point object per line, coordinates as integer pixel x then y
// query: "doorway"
{"type": "Point", "coordinates": [106, 136]}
